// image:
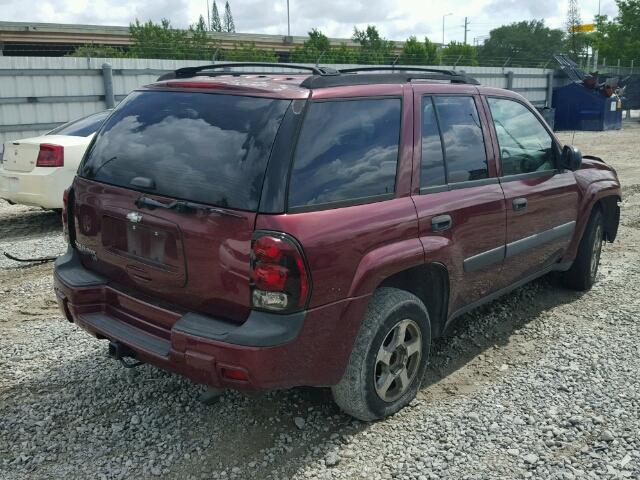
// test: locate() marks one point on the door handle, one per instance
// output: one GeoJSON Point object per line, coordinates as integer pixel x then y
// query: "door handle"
{"type": "Point", "coordinates": [519, 204]}
{"type": "Point", "coordinates": [441, 223]}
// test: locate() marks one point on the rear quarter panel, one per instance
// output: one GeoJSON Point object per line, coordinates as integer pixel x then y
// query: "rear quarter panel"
{"type": "Point", "coordinates": [351, 250]}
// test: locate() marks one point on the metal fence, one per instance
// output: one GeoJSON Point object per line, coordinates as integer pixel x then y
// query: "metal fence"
{"type": "Point", "coordinates": [39, 93]}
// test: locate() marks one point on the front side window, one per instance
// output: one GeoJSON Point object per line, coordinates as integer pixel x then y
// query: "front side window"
{"type": "Point", "coordinates": [462, 137]}
{"type": "Point", "coordinates": [525, 145]}
{"type": "Point", "coordinates": [347, 151]}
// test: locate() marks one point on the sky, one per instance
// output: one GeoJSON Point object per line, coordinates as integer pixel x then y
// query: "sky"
{"type": "Point", "coordinates": [395, 19]}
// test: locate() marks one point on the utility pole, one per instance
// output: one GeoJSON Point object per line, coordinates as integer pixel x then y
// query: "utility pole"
{"type": "Point", "coordinates": [288, 21]}
{"type": "Point", "coordinates": [443, 17]}
{"type": "Point", "coordinates": [466, 29]}
{"type": "Point", "coordinates": [208, 16]}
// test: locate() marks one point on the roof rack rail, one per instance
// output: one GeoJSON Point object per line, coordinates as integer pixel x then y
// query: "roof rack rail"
{"type": "Point", "coordinates": [188, 72]}
{"type": "Point", "coordinates": [329, 77]}
{"type": "Point", "coordinates": [388, 77]}
{"type": "Point", "coordinates": [393, 68]}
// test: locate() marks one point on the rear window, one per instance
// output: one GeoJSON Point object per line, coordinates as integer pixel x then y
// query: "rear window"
{"type": "Point", "coordinates": [83, 127]}
{"type": "Point", "coordinates": [201, 147]}
{"type": "Point", "coordinates": [347, 152]}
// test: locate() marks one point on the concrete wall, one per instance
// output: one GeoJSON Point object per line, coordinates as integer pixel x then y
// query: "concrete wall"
{"type": "Point", "coordinates": [39, 93]}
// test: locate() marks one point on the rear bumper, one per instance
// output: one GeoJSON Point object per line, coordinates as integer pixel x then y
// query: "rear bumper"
{"type": "Point", "coordinates": [276, 351]}
{"type": "Point", "coordinates": [42, 187]}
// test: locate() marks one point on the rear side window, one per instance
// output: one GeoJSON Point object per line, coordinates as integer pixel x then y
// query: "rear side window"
{"type": "Point", "coordinates": [462, 137]}
{"type": "Point", "coordinates": [347, 151]}
{"type": "Point", "coordinates": [201, 147]}
{"type": "Point", "coordinates": [83, 127]}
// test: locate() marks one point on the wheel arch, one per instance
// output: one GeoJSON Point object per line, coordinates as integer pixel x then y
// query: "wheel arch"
{"type": "Point", "coordinates": [430, 283]}
{"type": "Point", "coordinates": [603, 195]}
{"type": "Point", "coordinates": [611, 211]}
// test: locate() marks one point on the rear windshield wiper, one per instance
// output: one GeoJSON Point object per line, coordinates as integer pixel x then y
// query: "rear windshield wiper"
{"type": "Point", "coordinates": [184, 207]}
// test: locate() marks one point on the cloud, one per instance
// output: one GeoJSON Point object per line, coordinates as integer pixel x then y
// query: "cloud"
{"type": "Point", "coordinates": [336, 18]}
{"type": "Point", "coordinates": [537, 9]}
{"type": "Point", "coordinates": [175, 10]}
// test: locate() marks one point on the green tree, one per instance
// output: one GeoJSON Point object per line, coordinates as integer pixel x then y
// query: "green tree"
{"type": "Point", "coordinates": [216, 24]}
{"type": "Point", "coordinates": [342, 54]}
{"type": "Point", "coordinates": [527, 43]}
{"type": "Point", "coordinates": [373, 49]}
{"type": "Point", "coordinates": [418, 53]}
{"type": "Point", "coordinates": [198, 45]}
{"type": "Point", "coordinates": [99, 51]}
{"type": "Point", "coordinates": [576, 40]}
{"type": "Point", "coordinates": [315, 46]}
{"type": "Point", "coordinates": [151, 40]}
{"type": "Point", "coordinates": [620, 38]}
{"type": "Point", "coordinates": [201, 26]}
{"type": "Point", "coordinates": [227, 20]}
{"type": "Point", "coordinates": [432, 51]}
{"type": "Point", "coordinates": [459, 53]}
{"type": "Point", "coordinates": [248, 52]}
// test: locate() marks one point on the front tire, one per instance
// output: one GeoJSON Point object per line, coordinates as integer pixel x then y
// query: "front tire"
{"type": "Point", "coordinates": [389, 358]}
{"type": "Point", "coordinates": [582, 274]}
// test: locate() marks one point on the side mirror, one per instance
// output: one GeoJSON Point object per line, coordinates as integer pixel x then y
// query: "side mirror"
{"type": "Point", "coordinates": [571, 158]}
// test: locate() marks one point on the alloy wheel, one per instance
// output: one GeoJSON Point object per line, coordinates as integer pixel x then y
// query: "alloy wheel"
{"type": "Point", "coordinates": [596, 251]}
{"type": "Point", "coordinates": [398, 360]}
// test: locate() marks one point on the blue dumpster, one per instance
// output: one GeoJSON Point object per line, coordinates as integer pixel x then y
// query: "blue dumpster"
{"type": "Point", "coordinates": [580, 108]}
{"type": "Point", "coordinates": [549, 116]}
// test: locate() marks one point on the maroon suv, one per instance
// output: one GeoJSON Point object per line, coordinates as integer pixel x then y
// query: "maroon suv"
{"type": "Point", "coordinates": [262, 231]}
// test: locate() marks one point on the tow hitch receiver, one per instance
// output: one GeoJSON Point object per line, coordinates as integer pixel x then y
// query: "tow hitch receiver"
{"type": "Point", "coordinates": [119, 352]}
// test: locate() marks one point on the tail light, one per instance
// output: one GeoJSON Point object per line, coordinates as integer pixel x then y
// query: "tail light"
{"type": "Point", "coordinates": [279, 275]}
{"type": "Point", "coordinates": [50, 156]}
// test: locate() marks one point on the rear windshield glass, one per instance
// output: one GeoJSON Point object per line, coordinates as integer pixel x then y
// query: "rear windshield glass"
{"type": "Point", "coordinates": [201, 147]}
{"type": "Point", "coordinates": [83, 127]}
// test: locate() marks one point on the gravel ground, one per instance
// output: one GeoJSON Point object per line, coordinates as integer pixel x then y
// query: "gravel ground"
{"type": "Point", "coordinates": [540, 384]}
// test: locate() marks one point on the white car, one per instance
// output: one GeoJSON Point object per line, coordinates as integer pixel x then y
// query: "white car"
{"type": "Point", "coordinates": [36, 171]}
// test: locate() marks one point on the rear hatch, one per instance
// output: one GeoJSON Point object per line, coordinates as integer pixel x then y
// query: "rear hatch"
{"type": "Point", "coordinates": [166, 198]}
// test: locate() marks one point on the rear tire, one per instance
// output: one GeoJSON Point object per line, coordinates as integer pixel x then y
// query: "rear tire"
{"type": "Point", "coordinates": [389, 358]}
{"type": "Point", "coordinates": [582, 274]}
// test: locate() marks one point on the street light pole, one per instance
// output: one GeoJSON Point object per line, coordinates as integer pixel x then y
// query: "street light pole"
{"type": "Point", "coordinates": [466, 29]}
{"type": "Point", "coordinates": [288, 21]}
{"type": "Point", "coordinates": [443, 17]}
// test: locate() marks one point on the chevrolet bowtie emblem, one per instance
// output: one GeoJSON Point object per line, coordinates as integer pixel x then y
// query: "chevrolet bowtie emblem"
{"type": "Point", "coordinates": [134, 217]}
